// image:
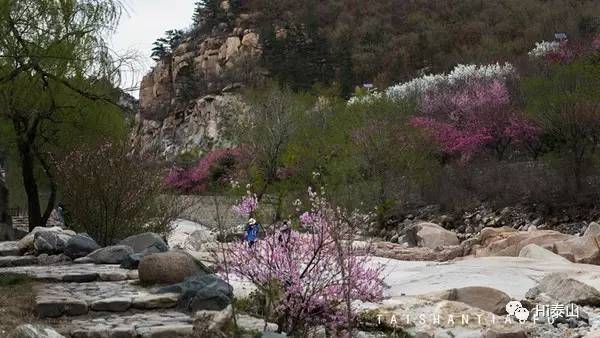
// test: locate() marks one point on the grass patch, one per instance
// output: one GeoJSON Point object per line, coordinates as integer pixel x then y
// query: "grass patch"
{"type": "Point", "coordinates": [13, 279]}
{"type": "Point", "coordinates": [16, 302]}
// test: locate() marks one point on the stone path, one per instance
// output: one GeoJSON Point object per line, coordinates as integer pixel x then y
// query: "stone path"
{"type": "Point", "coordinates": [77, 273]}
{"type": "Point", "coordinates": [73, 299]}
{"type": "Point", "coordinates": [9, 249]}
{"type": "Point", "coordinates": [155, 324]}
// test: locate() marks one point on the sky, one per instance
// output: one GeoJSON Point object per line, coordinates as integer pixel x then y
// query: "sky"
{"type": "Point", "coordinates": [144, 22]}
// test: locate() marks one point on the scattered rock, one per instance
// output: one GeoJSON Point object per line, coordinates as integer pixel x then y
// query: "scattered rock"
{"type": "Point", "coordinates": [34, 331]}
{"type": "Point", "coordinates": [431, 235]}
{"type": "Point", "coordinates": [513, 332]}
{"type": "Point", "coordinates": [80, 245]}
{"type": "Point", "coordinates": [141, 242]}
{"type": "Point", "coordinates": [537, 252]}
{"type": "Point", "coordinates": [111, 254]}
{"type": "Point", "coordinates": [202, 292]}
{"type": "Point", "coordinates": [167, 268]}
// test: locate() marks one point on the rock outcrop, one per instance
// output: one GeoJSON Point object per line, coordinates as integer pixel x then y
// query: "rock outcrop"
{"type": "Point", "coordinates": [188, 98]}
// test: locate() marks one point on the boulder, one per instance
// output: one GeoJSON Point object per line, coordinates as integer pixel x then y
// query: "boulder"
{"type": "Point", "coordinates": [167, 268]}
{"type": "Point", "coordinates": [509, 242]}
{"type": "Point", "coordinates": [26, 243]}
{"type": "Point", "coordinates": [485, 298]}
{"type": "Point", "coordinates": [50, 242]}
{"type": "Point", "coordinates": [562, 288]}
{"type": "Point", "coordinates": [583, 249]}
{"type": "Point", "coordinates": [144, 241]}
{"type": "Point", "coordinates": [115, 254]}
{"type": "Point", "coordinates": [535, 251]}
{"type": "Point", "coordinates": [132, 261]}
{"type": "Point", "coordinates": [202, 292]}
{"type": "Point", "coordinates": [34, 331]}
{"type": "Point", "coordinates": [80, 245]}
{"type": "Point", "coordinates": [431, 235]}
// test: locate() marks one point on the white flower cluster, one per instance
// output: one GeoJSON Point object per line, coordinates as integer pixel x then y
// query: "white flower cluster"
{"type": "Point", "coordinates": [543, 48]}
{"type": "Point", "coordinates": [461, 73]}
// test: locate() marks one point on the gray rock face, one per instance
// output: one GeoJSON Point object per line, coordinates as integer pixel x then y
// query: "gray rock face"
{"type": "Point", "coordinates": [111, 254]}
{"type": "Point", "coordinates": [50, 242]}
{"type": "Point", "coordinates": [144, 241]}
{"type": "Point", "coordinates": [207, 292]}
{"type": "Point", "coordinates": [34, 331]}
{"type": "Point", "coordinates": [80, 245]}
{"type": "Point", "coordinates": [45, 259]}
{"type": "Point", "coordinates": [564, 289]}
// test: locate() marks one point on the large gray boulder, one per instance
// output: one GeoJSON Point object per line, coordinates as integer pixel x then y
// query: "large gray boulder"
{"type": "Point", "coordinates": [144, 241]}
{"type": "Point", "coordinates": [167, 268]}
{"type": "Point", "coordinates": [430, 235]}
{"type": "Point", "coordinates": [27, 242]}
{"type": "Point", "coordinates": [50, 242]}
{"type": "Point", "coordinates": [535, 251]}
{"type": "Point", "coordinates": [563, 288]}
{"type": "Point", "coordinates": [115, 254]}
{"type": "Point", "coordinates": [80, 245]}
{"type": "Point", "coordinates": [202, 292]}
{"type": "Point", "coordinates": [34, 331]}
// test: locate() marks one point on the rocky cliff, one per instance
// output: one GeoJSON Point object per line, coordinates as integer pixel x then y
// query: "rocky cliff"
{"type": "Point", "coordinates": [191, 95]}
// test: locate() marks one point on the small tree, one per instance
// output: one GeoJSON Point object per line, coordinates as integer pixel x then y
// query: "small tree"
{"type": "Point", "coordinates": [312, 278]}
{"type": "Point", "coordinates": [477, 115]}
{"type": "Point", "coordinates": [111, 194]}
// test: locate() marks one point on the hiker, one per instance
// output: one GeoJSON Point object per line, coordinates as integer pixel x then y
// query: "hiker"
{"type": "Point", "coordinates": [252, 230]}
{"type": "Point", "coordinates": [285, 232]}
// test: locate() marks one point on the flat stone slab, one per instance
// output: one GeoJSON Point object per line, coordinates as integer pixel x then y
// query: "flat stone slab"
{"type": "Point", "coordinates": [150, 324]}
{"type": "Point", "coordinates": [9, 249]}
{"type": "Point", "coordinates": [75, 273]}
{"type": "Point", "coordinates": [17, 261]}
{"type": "Point", "coordinates": [55, 300]}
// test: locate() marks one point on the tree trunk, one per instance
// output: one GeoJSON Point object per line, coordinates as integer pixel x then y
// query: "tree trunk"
{"type": "Point", "coordinates": [29, 182]}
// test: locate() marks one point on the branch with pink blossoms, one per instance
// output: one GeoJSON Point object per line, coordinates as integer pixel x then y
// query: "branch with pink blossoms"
{"type": "Point", "coordinates": [316, 278]}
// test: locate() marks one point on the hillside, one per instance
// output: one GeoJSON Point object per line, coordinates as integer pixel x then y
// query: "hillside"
{"type": "Point", "coordinates": [339, 43]}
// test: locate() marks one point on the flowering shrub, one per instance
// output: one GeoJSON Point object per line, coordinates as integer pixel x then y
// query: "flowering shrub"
{"type": "Point", "coordinates": [477, 115]}
{"type": "Point", "coordinates": [214, 166]}
{"type": "Point", "coordinates": [312, 278]}
{"type": "Point", "coordinates": [461, 74]}
{"type": "Point", "coordinates": [543, 48]}
{"type": "Point", "coordinates": [247, 205]}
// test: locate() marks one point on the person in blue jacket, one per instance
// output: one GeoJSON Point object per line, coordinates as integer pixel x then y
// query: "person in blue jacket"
{"type": "Point", "coordinates": [252, 230]}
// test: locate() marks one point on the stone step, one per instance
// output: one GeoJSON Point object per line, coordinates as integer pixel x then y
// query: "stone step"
{"type": "Point", "coordinates": [74, 299]}
{"type": "Point", "coordinates": [77, 273]}
{"type": "Point", "coordinates": [149, 324]}
{"type": "Point", "coordinates": [17, 261]}
{"type": "Point", "coordinates": [9, 249]}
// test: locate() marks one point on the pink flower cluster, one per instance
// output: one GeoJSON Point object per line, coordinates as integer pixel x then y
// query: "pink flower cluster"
{"type": "Point", "coordinates": [478, 114]}
{"type": "Point", "coordinates": [247, 205]}
{"type": "Point", "coordinates": [198, 177]}
{"type": "Point", "coordinates": [313, 274]}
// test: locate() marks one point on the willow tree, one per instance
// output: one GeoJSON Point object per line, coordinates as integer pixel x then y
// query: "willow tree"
{"type": "Point", "coordinates": [54, 61]}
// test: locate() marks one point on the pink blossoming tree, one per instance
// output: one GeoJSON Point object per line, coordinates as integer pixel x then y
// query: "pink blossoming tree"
{"type": "Point", "coordinates": [312, 278]}
{"type": "Point", "coordinates": [474, 116]}
{"type": "Point", "coordinates": [211, 167]}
